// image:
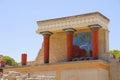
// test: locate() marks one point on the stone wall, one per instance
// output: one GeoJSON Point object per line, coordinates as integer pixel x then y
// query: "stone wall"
{"type": "Point", "coordinates": [79, 70]}
{"type": "Point", "coordinates": [99, 74]}
{"type": "Point", "coordinates": [114, 66]}
{"type": "Point", "coordinates": [57, 49]}
{"type": "Point", "coordinates": [58, 46]}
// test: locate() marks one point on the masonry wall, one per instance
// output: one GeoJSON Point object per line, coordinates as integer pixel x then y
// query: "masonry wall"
{"type": "Point", "coordinates": [57, 49]}
{"type": "Point", "coordinates": [79, 70]}
{"type": "Point", "coordinates": [88, 74]}
{"type": "Point", "coordinates": [103, 42]}
{"type": "Point", "coordinates": [114, 68]}
{"type": "Point", "coordinates": [58, 46]}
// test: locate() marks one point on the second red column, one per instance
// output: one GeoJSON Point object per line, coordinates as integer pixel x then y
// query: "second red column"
{"type": "Point", "coordinates": [69, 36]}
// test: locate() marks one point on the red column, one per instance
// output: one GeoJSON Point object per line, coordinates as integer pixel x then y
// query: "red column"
{"type": "Point", "coordinates": [95, 29]}
{"type": "Point", "coordinates": [46, 35]}
{"type": "Point", "coordinates": [46, 49]}
{"type": "Point", "coordinates": [2, 63]}
{"type": "Point", "coordinates": [24, 59]}
{"type": "Point", "coordinates": [69, 35]}
{"type": "Point", "coordinates": [95, 43]}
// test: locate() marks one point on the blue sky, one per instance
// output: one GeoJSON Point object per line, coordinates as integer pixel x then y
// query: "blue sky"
{"type": "Point", "coordinates": [18, 22]}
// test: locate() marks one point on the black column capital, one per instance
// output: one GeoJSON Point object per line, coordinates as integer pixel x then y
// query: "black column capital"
{"type": "Point", "coordinates": [95, 27]}
{"type": "Point", "coordinates": [46, 33]}
{"type": "Point", "coordinates": [69, 30]}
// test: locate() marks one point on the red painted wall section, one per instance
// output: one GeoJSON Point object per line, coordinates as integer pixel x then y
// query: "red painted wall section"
{"type": "Point", "coordinates": [77, 52]}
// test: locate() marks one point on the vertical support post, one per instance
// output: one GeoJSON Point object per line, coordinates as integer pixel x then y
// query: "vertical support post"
{"type": "Point", "coordinates": [24, 59]}
{"type": "Point", "coordinates": [69, 35]}
{"type": "Point", "coordinates": [95, 29]}
{"type": "Point", "coordinates": [46, 35]}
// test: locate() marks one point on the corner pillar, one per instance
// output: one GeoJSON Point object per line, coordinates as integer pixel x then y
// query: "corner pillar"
{"type": "Point", "coordinates": [46, 35]}
{"type": "Point", "coordinates": [69, 35]}
{"type": "Point", "coordinates": [95, 29]}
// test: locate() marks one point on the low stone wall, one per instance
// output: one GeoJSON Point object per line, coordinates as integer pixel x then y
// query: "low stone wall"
{"type": "Point", "coordinates": [68, 70]}
{"type": "Point", "coordinates": [114, 69]}
{"type": "Point", "coordinates": [114, 65]}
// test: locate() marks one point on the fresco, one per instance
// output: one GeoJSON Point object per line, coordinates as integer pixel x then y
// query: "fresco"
{"type": "Point", "coordinates": [82, 45]}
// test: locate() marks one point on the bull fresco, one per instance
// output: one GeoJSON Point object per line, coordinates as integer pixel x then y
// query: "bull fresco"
{"type": "Point", "coordinates": [82, 45]}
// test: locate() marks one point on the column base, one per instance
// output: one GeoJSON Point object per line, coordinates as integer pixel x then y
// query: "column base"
{"type": "Point", "coordinates": [23, 64]}
{"type": "Point", "coordinates": [95, 58]}
{"type": "Point", "coordinates": [46, 62]}
{"type": "Point", "coordinates": [69, 60]}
